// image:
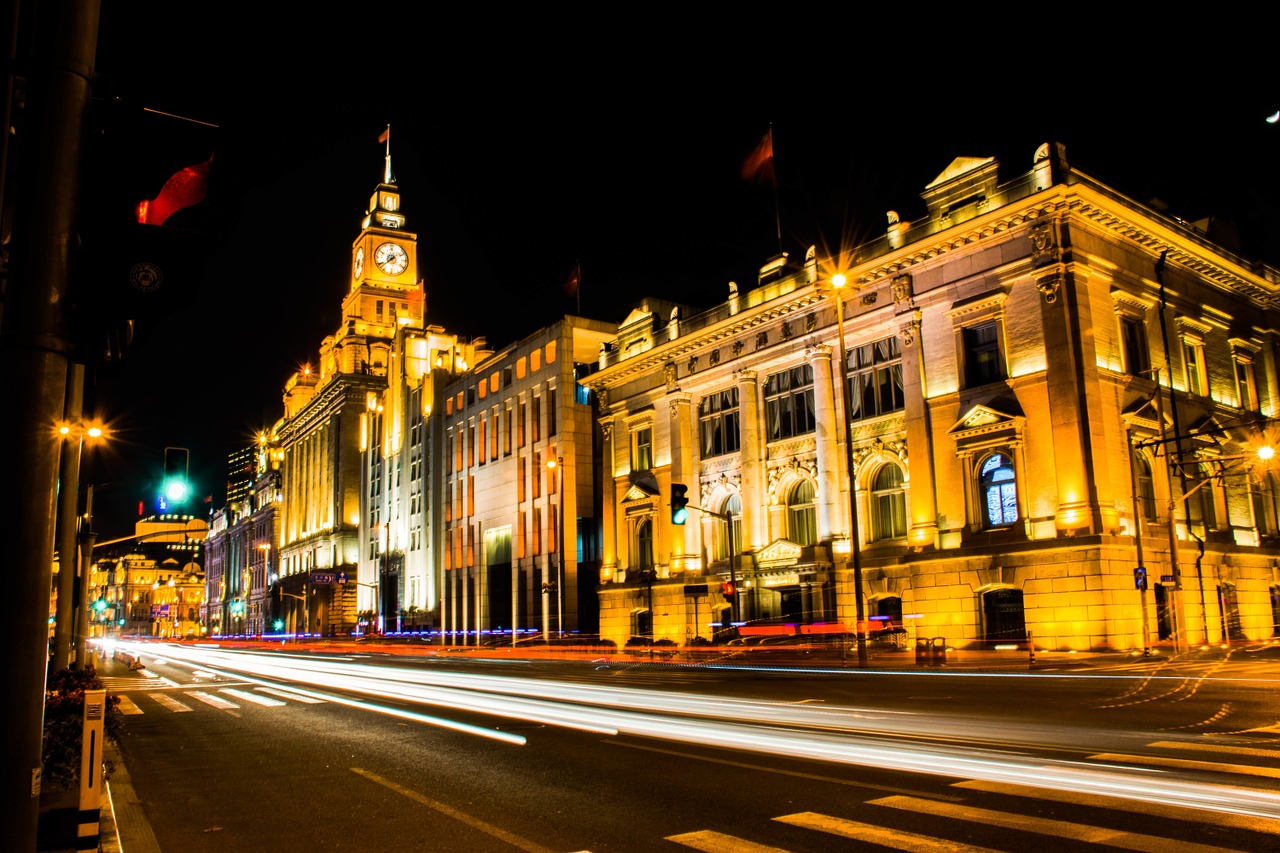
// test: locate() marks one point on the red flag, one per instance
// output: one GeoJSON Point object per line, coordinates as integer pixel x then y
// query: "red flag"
{"type": "Point", "coordinates": [184, 188]}
{"type": "Point", "coordinates": [575, 280]}
{"type": "Point", "coordinates": [385, 135]}
{"type": "Point", "coordinates": [759, 164]}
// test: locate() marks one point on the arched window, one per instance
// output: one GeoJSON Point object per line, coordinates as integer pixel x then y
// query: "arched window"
{"type": "Point", "coordinates": [644, 544]}
{"type": "Point", "coordinates": [802, 518]}
{"type": "Point", "coordinates": [731, 507]}
{"type": "Point", "coordinates": [1003, 615]}
{"type": "Point", "coordinates": [1146, 487]}
{"type": "Point", "coordinates": [888, 504]}
{"type": "Point", "coordinates": [998, 488]}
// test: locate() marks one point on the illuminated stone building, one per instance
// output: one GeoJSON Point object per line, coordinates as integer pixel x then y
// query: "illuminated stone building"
{"type": "Point", "coordinates": [520, 551]}
{"type": "Point", "coordinates": [152, 583]}
{"type": "Point", "coordinates": [1009, 436]}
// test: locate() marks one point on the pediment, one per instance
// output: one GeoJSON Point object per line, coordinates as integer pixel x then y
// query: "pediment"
{"type": "Point", "coordinates": [638, 492]}
{"type": "Point", "coordinates": [1144, 413]}
{"type": "Point", "coordinates": [959, 166]}
{"type": "Point", "coordinates": [779, 552]}
{"type": "Point", "coordinates": [637, 315]}
{"type": "Point", "coordinates": [982, 418]}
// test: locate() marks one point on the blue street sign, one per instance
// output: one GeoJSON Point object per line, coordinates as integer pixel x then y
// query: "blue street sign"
{"type": "Point", "coordinates": [342, 577]}
{"type": "Point", "coordinates": [324, 577]}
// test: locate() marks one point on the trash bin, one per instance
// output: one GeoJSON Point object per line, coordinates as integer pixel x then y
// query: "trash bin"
{"type": "Point", "coordinates": [939, 651]}
{"type": "Point", "coordinates": [924, 651]}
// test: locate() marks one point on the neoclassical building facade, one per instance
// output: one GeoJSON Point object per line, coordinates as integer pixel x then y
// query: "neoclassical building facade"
{"type": "Point", "coordinates": [1049, 412]}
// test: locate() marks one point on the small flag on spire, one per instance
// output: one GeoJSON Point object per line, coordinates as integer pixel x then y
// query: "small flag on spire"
{"type": "Point", "coordinates": [759, 164]}
{"type": "Point", "coordinates": [574, 281]}
{"type": "Point", "coordinates": [385, 135]}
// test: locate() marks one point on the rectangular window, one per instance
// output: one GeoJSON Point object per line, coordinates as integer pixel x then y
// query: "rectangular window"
{"type": "Point", "coordinates": [520, 473]}
{"type": "Point", "coordinates": [982, 354]}
{"type": "Point", "coordinates": [521, 545]}
{"type": "Point", "coordinates": [788, 403]}
{"type": "Point", "coordinates": [718, 423]}
{"type": "Point", "coordinates": [480, 439]}
{"type": "Point", "coordinates": [641, 449]}
{"type": "Point", "coordinates": [1137, 357]}
{"type": "Point", "coordinates": [506, 431]}
{"type": "Point", "coordinates": [1193, 360]}
{"type": "Point", "coordinates": [551, 412]}
{"type": "Point", "coordinates": [1246, 384]}
{"type": "Point", "coordinates": [536, 475]}
{"type": "Point", "coordinates": [493, 438]}
{"type": "Point", "coordinates": [520, 419]}
{"type": "Point", "coordinates": [456, 438]}
{"type": "Point", "coordinates": [535, 418]}
{"type": "Point", "coordinates": [377, 310]}
{"type": "Point", "coordinates": [875, 379]}
{"type": "Point", "coordinates": [471, 495]}
{"type": "Point", "coordinates": [471, 446]}
{"type": "Point", "coordinates": [537, 530]}
{"type": "Point", "coordinates": [448, 501]}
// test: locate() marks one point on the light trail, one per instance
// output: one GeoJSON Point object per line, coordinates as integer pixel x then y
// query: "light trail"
{"type": "Point", "coordinates": [818, 733]}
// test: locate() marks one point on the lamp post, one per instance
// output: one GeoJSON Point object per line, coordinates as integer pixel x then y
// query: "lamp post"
{"type": "Point", "coordinates": [558, 521]}
{"type": "Point", "coordinates": [838, 282]}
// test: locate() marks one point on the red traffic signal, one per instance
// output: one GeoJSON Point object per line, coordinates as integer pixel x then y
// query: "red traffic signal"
{"type": "Point", "coordinates": [727, 589]}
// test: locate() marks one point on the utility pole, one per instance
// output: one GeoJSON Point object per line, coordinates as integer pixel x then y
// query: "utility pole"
{"type": "Point", "coordinates": [34, 358]}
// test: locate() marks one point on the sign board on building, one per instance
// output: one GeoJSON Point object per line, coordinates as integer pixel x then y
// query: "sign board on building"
{"type": "Point", "coordinates": [324, 577]}
{"type": "Point", "coordinates": [695, 589]}
{"type": "Point", "coordinates": [159, 611]}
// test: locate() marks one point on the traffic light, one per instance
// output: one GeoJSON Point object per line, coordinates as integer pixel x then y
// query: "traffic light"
{"type": "Point", "coordinates": [176, 487]}
{"type": "Point", "coordinates": [679, 503]}
{"type": "Point", "coordinates": [100, 605]}
{"type": "Point", "coordinates": [143, 223]}
{"type": "Point", "coordinates": [1140, 578]}
{"type": "Point", "coordinates": [727, 589]}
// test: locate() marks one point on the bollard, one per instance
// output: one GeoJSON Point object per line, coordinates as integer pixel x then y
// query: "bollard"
{"type": "Point", "coordinates": [939, 655]}
{"type": "Point", "coordinates": [88, 830]}
{"type": "Point", "coordinates": [923, 654]}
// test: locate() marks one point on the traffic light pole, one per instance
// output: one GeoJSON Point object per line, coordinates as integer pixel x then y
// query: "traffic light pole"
{"type": "Point", "coordinates": [735, 609]}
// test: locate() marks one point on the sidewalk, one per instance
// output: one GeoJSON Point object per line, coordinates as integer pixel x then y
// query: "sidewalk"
{"type": "Point", "coordinates": [120, 812]}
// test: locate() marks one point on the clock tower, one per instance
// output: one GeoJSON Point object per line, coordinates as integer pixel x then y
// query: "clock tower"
{"type": "Point", "coordinates": [385, 293]}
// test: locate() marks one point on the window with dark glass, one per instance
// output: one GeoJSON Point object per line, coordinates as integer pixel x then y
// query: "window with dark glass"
{"type": "Point", "coordinates": [802, 517]}
{"type": "Point", "coordinates": [875, 379]}
{"type": "Point", "coordinates": [1137, 357]}
{"type": "Point", "coordinates": [888, 504]}
{"type": "Point", "coordinates": [641, 449]}
{"type": "Point", "coordinates": [644, 544]}
{"type": "Point", "coordinates": [731, 507]}
{"type": "Point", "coordinates": [1146, 488]}
{"type": "Point", "coordinates": [1246, 385]}
{"type": "Point", "coordinates": [999, 490]}
{"type": "Point", "coordinates": [718, 423]}
{"type": "Point", "coordinates": [982, 354]}
{"type": "Point", "coordinates": [1193, 359]}
{"type": "Point", "coordinates": [788, 403]}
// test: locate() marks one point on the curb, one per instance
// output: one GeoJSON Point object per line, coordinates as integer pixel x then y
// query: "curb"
{"type": "Point", "coordinates": [123, 816]}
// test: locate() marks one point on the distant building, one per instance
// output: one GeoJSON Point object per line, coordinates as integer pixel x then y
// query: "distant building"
{"type": "Point", "coordinates": [520, 509]}
{"type": "Point", "coordinates": [241, 472]}
{"type": "Point", "coordinates": [1014, 454]}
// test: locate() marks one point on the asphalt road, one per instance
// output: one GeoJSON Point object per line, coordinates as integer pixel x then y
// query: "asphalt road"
{"type": "Point", "coordinates": [631, 757]}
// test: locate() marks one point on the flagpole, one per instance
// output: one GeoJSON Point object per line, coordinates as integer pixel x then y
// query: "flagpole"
{"type": "Point", "coordinates": [577, 291]}
{"type": "Point", "coordinates": [777, 207]}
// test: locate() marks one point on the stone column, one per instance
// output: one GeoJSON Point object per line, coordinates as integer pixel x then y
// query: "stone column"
{"type": "Point", "coordinates": [827, 438]}
{"type": "Point", "coordinates": [683, 539]}
{"type": "Point", "coordinates": [754, 509]}
{"type": "Point", "coordinates": [922, 529]}
{"type": "Point", "coordinates": [608, 504]}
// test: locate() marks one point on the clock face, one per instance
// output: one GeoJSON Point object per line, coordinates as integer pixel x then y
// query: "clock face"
{"type": "Point", "coordinates": [358, 267]}
{"type": "Point", "coordinates": [391, 259]}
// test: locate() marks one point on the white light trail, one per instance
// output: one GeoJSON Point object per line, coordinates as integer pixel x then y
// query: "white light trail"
{"type": "Point", "coordinates": [819, 733]}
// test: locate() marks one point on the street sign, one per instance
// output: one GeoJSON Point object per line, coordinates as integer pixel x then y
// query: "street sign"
{"type": "Point", "coordinates": [324, 577]}
{"type": "Point", "coordinates": [342, 577]}
{"type": "Point", "coordinates": [1166, 579]}
{"type": "Point", "coordinates": [695, 589]}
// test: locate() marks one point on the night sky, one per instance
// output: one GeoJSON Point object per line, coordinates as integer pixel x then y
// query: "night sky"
{"type": "Point", "coordinates": [515, 166]}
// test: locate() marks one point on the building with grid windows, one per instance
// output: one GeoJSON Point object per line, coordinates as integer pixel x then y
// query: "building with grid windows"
{"type": "Point", "coordinates": [1049, 415]}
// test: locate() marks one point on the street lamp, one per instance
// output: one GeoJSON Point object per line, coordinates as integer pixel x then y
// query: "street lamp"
{"type": "Point", "coordinates": [838, 282]}
{"type": "Point", "coordinates": [557, 586]}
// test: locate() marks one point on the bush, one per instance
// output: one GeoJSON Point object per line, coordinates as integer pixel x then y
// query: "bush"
{"type": "Point", "coordinates": [64, 725]}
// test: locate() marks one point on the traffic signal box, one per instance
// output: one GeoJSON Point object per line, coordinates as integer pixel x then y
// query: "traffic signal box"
{"type": "Point", "coordinates": [679, 503]}
{"type": "Point", "coordinates": [176, 487]}
{"type": "Point", "coordinates": [143, 223]}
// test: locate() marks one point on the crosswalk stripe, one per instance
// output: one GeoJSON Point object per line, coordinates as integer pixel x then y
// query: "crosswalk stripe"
{"type": "Point", "coordinates": [718, 842]}
{"type": "Point", "coordinates": [1187, 764]}
{"type": "Point", "coordinates": [297, 697]}
{"type": "Point", "coordinates": [1217, 747]}
{"type": "Point", "coordinates": [170, 703]}
{"type": "Point", "coordinates": [210, 699]}
{"type": "Point", "coordinates": [871, 834]}
{"type": "Point", "coordinates": [253, 697]}
{"type": "Point", "coordinates": [1046, 826]}
{"type": "Point", "coordinates": [127, 706]}
{"type": "Point", "coordinates": [1231, 821]}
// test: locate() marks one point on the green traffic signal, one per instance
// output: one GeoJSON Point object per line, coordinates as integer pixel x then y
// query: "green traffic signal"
{"type": "Point", "coordinates": [679, 503]}
{"type": "Point", "coordinates": [100, 605]}
{"type": "Point", "coordinates": [176, 486]}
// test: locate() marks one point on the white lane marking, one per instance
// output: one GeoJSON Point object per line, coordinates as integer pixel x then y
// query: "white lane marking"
{"type": "Point", "coordinates": [210, 699]}
{"type": "Point", "coordinates": [253, 697]}
{"type": "Point", "coordinates": [170, 703]}
{"type": "Point", "coordinates": [297, 697]}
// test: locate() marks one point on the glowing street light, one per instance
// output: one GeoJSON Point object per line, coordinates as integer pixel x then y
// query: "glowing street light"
{"type": "Point", "coordinates": [838, 282]}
